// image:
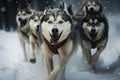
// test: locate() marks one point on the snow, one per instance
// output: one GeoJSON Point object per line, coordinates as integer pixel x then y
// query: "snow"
{"type": "Point", "coordinates": [13, 66]}
{"type": "Point", "coordinates": [3, 9]}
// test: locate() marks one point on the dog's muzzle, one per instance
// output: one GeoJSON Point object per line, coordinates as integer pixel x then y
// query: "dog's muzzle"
{"type": "Point", "coordinates": [55, 36]}
{"type": "Point", "coordinates": [93, 33]}
{"type": "Point", "coordinates": [91, 9]}
{"type": "Point", "coordinates": [22, 22]}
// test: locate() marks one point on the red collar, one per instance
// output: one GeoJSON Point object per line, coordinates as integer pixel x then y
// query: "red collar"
{"type": "Point", "coordinates": [55, 47]}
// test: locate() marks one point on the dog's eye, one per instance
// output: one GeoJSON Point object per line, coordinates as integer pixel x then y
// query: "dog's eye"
{"type": "Point", "coordinates": [60, 22]}
{"type": "Point", "coordinates": [35, 20]}
{"type": "Point", "coordinates": [24, 14]}
{"type": "Point", "coordinates": [18, 14]}
{"type": "Point", "coordinates": [98, 24]}
{"type": "Point", "coordinates": [88, 5]}
{"type": "Point", "coordinates": [88, 24]}
{"type": "Point", "coordinates": [50, 22]}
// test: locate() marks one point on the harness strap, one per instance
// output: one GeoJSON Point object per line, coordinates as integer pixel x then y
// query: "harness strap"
{"type": "Point", "coordinates": [55, 47]}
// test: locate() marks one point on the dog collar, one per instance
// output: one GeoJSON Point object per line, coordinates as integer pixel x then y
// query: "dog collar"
{"type": "Point", "coordinates": [54, 48]}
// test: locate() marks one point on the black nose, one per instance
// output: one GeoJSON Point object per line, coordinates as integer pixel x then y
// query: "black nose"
{"type": "Point", "coordinates": [91, 9]}
{"type": "Point", "coordinates": [93, 31]}
{"type": "Point", "coordinates": [19, 19]}
{"type": "Point", "coordinates": [37, 29]}
{"type": "Point", "coordinates": [54, 30]}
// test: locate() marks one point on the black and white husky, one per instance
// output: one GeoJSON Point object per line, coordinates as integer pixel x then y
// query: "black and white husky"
{"type": "Point", "coordinates": [34, 38]}
{"type": "Point", "coordinates": [93, 34]}
{"type": "Point", "coordinates": [90, 7]}
{"type": "Point", "coordinates": [22, 19]}
{"type": "Point", "coordinates": [59, 38]}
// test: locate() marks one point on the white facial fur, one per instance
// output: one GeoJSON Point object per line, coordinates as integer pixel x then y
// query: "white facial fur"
{"type": "Point", "coordinates": [34, 23]}
{"type": "Point", "coordinates": [93, 5]}
{"type": "Point", "coordinates": [23, 15]}
{"type": "Point", "coordinates": [63, 27]}
{"type": "Point", "coordinates": [98, 28]}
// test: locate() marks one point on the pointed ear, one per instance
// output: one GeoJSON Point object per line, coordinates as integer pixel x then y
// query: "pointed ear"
{"type": "Point", "coordinates": [85, 1]}
{"type": "Point", "coordinates": [64, 7]}
{"type": "Point", "coordinates": [61, 6]}
{"type": "Point", "coordinates": [45, 11]}
{"type": "Point", "coordinates": [19, 6]}
{"type": "Point", "coordinates": [70, 10]}
{"type": "Point", "coordinates": [29, 7]}
{"type": "Point", "coordinates": [98, 1]}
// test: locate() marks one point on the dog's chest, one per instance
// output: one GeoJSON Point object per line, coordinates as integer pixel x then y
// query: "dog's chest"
{"type": "Point", "coordinates": [66, 46]}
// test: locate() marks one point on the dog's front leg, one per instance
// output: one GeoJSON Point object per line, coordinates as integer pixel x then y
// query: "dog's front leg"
{"type": "Point", "coordinates": [97, 54]}
{"type": "Point", "coordinates": [61, 65]}
{"type": "Point", "coordinates": [47, 57]}
{"type": "Point", "coordinates": [86, 46]}
{"type": "Point", "coordinates": [49, 64]}
{"type": "Point", "coordinates": [31, 49]}
{"type": "Point", "coordinates": [22, 41]}
{"type": "Point", "coordinates": [87, 53]}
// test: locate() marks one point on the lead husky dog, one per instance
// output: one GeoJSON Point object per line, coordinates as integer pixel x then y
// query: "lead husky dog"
{"type": "Point", "coordinates": [22, 19]}
{"type": "Point", "coordinates": [59, 38]}
{"type": "Point", "coordinates": [34, 34]}
{"type": "Point", "coordinates": [93, 34]}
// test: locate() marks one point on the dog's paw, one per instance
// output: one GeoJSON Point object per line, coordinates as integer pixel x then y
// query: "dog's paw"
{"type": "Point", "coordinates": [32, 60]}
{"type": "Point", "coordinates": [50, 78]}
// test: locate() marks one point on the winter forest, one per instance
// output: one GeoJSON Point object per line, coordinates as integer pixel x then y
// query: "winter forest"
{"type": "Point", "coordinates": [8, 9]}
{"type": "Point", "coordinates": [13, 66]}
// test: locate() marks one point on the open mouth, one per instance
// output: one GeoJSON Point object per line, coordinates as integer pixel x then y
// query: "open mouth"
{"type": "Point", "coordinates": [93, 35]}
{"type": "Point", "coordinates": [55, 38]}
{"type": "Point", "coordinates": [23, 22]}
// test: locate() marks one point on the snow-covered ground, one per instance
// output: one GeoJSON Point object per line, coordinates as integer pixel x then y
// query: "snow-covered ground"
{"type": "Point", "coordinates": [13, 66]}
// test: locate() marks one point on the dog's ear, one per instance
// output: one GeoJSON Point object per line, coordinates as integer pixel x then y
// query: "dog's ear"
{"type": "Point", "coordinates": [19, 7]}
{"type": "Point", "coordinates": [64, 7]}
{"type": "Point", "coordinates": [70, 10]}
{"type": "Point", "coordinates": [29, 7]}
{"type": "Point", "coordinates": [85, 1]}
{"type": "Point", "coordinates": [45, 11]}
{"type": "Point", "coordinates": [99, 1]}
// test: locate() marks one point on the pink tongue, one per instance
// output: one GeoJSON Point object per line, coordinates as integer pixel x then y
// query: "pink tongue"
{"type": "Point", "coordinates": [54, 39]}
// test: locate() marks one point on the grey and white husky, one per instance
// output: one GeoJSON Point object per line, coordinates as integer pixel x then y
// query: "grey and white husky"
{"type": "Point", "coordinates": [34, 38]}
{"type": "Point", "coordinates": [59, 38]}
{"type": "Point", "coordinates": [90, 7]}
{"type": "Point", "coordinates": [22, 19]}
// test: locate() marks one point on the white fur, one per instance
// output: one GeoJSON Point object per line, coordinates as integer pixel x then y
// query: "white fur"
{"type": "Point", "coordinates": [65, 27]}
{"type": "Point", "coordinates": [93, 5]}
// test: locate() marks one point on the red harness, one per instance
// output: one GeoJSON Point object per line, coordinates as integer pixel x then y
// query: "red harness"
{"type": "Point", "coordinates": [55, 47]}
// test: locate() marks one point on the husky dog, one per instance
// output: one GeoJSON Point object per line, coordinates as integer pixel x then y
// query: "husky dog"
{"type": "Point", "coordinates": [93, 34]}
{"type": "Point", "coordinates": [90, 7]}
{"type": "Point", "coordinates": [34, 34]}
{"type": "Point", "coordinates": [22, 19]}
{"type": "Point", "coordinates": [59, 38]}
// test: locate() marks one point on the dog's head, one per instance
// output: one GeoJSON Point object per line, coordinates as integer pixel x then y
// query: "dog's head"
{"type": "Point", "coordinates": [92, 6]}
{"type": "Point", "coordinates": [35, 21]}
{"type": "Point", "coordinates": [23, 15]}
{"type": "Point", "coordinates": [56, 24]}
{"type": "Point", "coordinates": [93, 26]}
